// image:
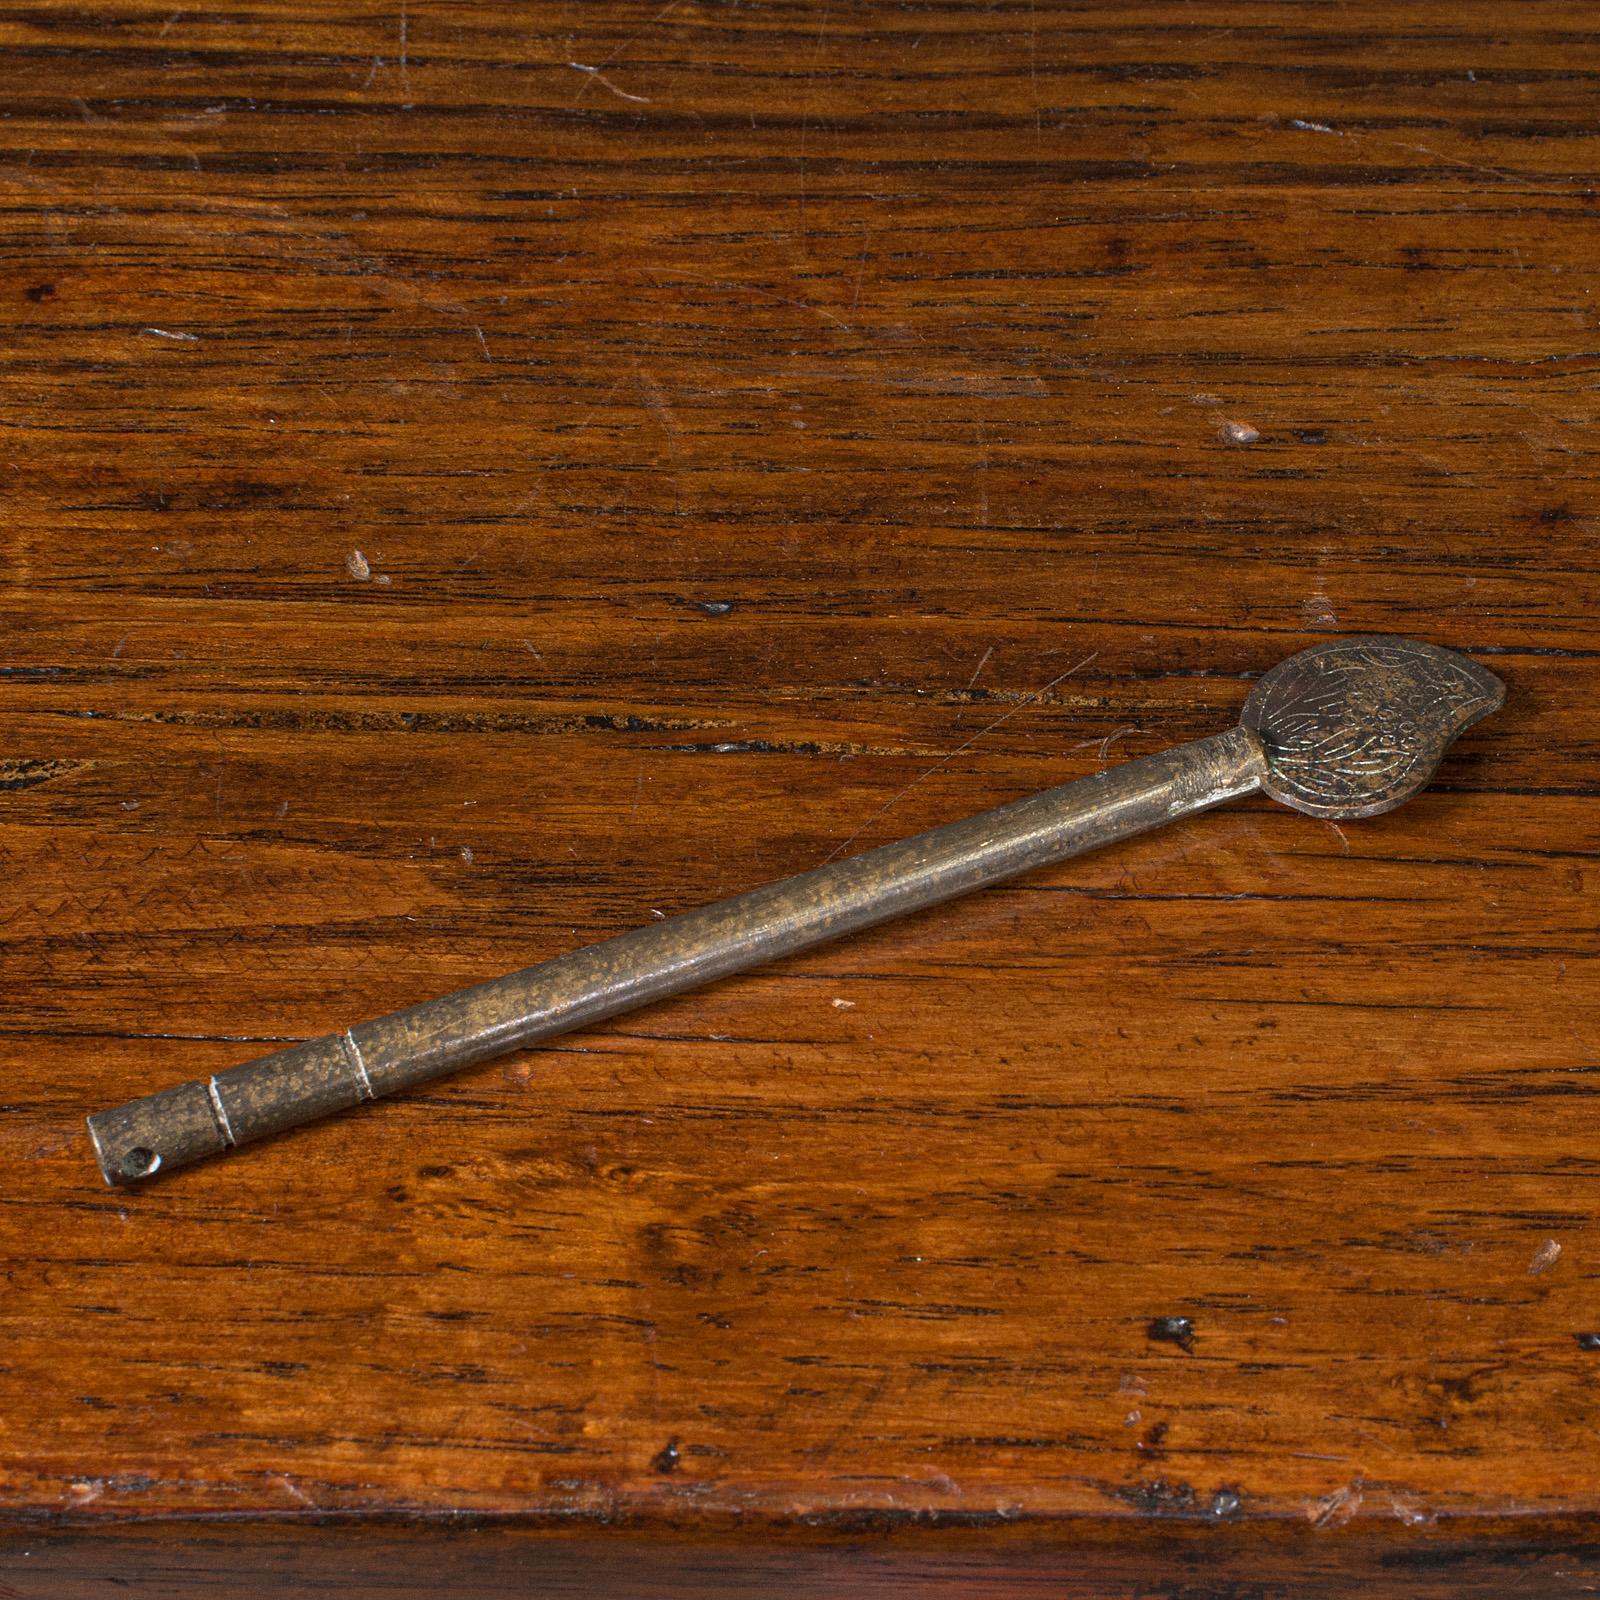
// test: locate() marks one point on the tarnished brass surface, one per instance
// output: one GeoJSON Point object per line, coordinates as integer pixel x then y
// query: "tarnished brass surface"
{"type": "Point", "coordinates": [1357, 726]}
{"type": "Point", "coordinates": [1346, 729]}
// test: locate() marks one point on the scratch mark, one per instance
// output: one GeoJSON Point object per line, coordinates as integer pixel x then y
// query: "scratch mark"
{"type": "Point", "coordinates": [290, 1487]}
{"type": "Point", "coordinates": [1336, 1509]}
{"type": "Point", "coordinates": [1106, 743]}
{"type": "Point", "coordinates": [858, 1414]}
{"type": "Point", "coordinates": [167, 333]}
{"type": "Point", "coordinates": [483, 549]}
{"type": "Point", "coordinates": [983, 661]}
{"type": "Point", "coordinates": [405, 57]}
{"type": "Point", "coordinates": [805, 110]}
{"type": "Point", "coordinates": [483, 344]}
{"type": "Point", "coordinates": [855, 298]}
{"type": "Point", "coordinates": [1452, 161]}
{"type": "Point", "coordinates": [755, 289]}
{"type": "Point", "coordinates": [633, 38]}
{"type": "Point", "coordinates": [600, 77]}
{"type": "Point", "coordinates": [1400, 144]}
{"type": "Point", "coordinates": [1033, 71]}
{"type": "Point", "coordinates": [655, 403]}
{"type": "Point", "coordinates": [983, 732]}
{"type": "Point", "coordinates": [536, 490]}
{"type": "Point", "coordinates": [983, 475]}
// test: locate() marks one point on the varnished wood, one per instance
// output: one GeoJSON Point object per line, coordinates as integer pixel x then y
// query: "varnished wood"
{"type": "Point", "coordinates": [478, 476]}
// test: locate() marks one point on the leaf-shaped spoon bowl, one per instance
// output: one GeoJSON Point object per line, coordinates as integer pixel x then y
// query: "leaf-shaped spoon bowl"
{"type": "Point", "coordinates": [1357, 726]}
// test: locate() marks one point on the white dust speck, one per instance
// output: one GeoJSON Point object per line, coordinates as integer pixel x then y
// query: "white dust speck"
{"type": "Point", "coordinates": [1412, 1516]}
{"type": "Point", "coordinates": [1544, 1258]}
{"type": "Point", "coordinates": [358, 565]}
{"type": "Point", "coordinates": [1336, 1509]}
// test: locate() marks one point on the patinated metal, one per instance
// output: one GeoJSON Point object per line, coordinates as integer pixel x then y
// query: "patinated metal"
{"type": "Point", "coordinates": [1357, 727]}
{"type": "Point", "coordinates": [1346, 729]}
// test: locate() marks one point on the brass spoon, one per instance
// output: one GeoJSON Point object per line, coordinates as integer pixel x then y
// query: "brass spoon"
{"type": "Point", "coordinates": [1345, 729]}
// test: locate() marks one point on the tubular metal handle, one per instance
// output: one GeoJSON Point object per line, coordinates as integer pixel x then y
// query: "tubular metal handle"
{"type": "Point", "coordinates": [339, 1071]}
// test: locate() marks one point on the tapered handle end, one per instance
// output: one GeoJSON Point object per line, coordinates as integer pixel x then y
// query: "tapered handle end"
{"type": "Point", "coordinates": [154, 1134]}
{"type": "Point", "coordinates": [170, 1129]}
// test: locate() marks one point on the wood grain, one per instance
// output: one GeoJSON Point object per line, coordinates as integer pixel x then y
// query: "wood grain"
{"type": "Point", "coordinates": [477, 476]}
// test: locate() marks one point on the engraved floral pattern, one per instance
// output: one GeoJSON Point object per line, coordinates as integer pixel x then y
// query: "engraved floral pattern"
{"type": "Point", "coordinates": [1358, 725]}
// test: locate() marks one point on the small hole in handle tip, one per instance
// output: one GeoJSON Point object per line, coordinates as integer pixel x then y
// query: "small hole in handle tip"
{"type": "Point", "coordinates": [139, 1162]}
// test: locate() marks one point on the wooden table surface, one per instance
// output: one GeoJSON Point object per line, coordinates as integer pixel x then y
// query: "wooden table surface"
{"type": "Point", "coordinates": [479, 476]}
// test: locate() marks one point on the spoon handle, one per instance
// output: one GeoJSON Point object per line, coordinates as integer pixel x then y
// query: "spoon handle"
{"type": "Point", "coordinates": [203, 1118]}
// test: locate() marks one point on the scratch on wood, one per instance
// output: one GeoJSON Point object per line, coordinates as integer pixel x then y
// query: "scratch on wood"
{"type": "Point", "coordinates": [960, 749]}
{"type": "Point", "coordinates": [600, 77]}
{"type": "Point", "coordinates": [405, 51]}
{"type": "Point", "coordinates": [632, 39]}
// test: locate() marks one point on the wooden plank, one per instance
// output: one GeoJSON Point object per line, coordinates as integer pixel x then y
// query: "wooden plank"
{"type": "Point", "coordinates": [476, 477]}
